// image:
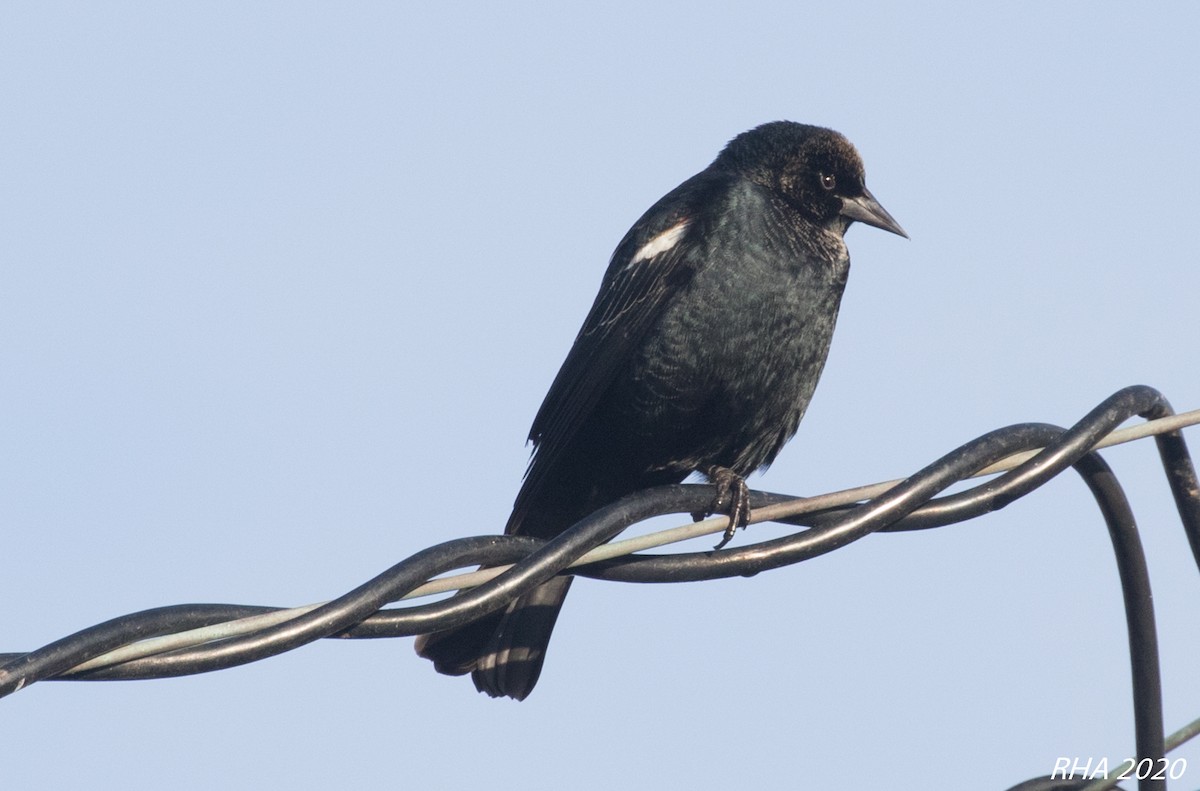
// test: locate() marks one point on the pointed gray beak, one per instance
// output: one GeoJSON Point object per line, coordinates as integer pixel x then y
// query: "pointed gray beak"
{"type": "Point", "coordinates": [866, 209]}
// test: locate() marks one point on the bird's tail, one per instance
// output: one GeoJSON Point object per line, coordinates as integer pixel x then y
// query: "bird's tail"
{"type": "Point", "coordinates": [503, 651]}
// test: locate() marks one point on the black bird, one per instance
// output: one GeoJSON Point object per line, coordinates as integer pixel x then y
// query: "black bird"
{"type": "Point", "coordinates": [700, 353]}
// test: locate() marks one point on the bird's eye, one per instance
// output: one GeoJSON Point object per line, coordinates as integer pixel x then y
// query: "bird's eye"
{"type": "Point", "coordinates": [828, 181]}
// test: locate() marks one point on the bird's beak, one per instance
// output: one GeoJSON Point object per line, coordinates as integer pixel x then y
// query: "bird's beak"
{"type": "Point", "coordinates": [866, 209]}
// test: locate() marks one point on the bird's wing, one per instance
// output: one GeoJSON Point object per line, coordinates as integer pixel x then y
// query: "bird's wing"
{"type": "Point", "coordinates": [650, 265]}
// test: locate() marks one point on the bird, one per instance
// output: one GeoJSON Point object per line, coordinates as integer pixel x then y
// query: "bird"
{"type": "Point", "coordinates": [700, 354]}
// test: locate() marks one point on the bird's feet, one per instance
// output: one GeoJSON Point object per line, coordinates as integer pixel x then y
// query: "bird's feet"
{"type": "Point", "coordinates": [733, 498]}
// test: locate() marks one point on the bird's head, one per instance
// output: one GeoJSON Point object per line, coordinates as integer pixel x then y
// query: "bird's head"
{"type": "Point", "coordinates": [816, 171]}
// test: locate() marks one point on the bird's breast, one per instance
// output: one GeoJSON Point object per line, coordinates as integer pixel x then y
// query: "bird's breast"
{"type": "Point", "coordinates": [729, 369]}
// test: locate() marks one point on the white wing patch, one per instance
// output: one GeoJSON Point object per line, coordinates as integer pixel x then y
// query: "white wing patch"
{"type": "Point", "coordinates": [661, 243]}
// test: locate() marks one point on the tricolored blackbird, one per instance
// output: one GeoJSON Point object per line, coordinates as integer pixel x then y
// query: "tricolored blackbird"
{"type": "Point", "coordinates": [700, 353]}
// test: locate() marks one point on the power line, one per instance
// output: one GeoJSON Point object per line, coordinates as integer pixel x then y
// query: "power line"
{"type": "Point", "coordinates": [196, 638]}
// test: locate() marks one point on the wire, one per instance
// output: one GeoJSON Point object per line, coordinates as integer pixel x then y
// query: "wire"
{"type": "Point", "coordinates": [186, 639]}
{"type": "Point", "coordinates": [784, 506]}
{"type": "Point", "coordinates": [776, 507]}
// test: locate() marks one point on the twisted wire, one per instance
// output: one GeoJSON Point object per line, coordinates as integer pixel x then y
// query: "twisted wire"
{"type": "Point", "coordinates": [911, 504]}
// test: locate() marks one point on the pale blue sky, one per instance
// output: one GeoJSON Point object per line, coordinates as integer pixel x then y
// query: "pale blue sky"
{"type": "Point", "coordinates": [284, 286]}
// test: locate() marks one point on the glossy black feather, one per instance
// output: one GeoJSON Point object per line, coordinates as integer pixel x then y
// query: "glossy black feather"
{"type": "Point", "coordinates": [631, 299]}
{"type": "Point", "coordinates": [700, 352]}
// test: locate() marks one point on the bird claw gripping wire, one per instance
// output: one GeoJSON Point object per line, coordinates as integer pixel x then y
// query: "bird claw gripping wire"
{"type": "Point", "coordinates": [732, 497]}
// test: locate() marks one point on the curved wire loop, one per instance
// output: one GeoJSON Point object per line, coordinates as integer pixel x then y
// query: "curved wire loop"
{"type": "Point", "coordinates": [913, 504]}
